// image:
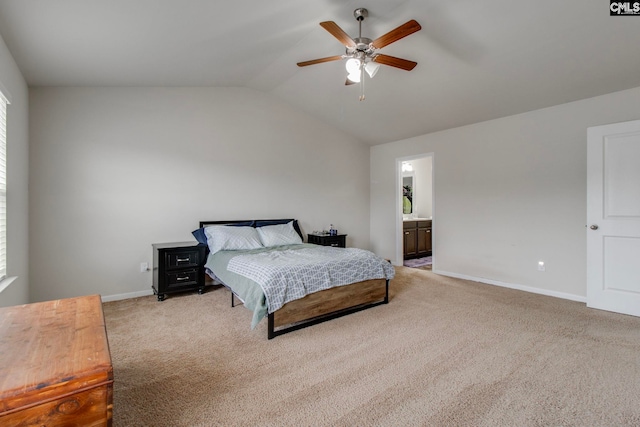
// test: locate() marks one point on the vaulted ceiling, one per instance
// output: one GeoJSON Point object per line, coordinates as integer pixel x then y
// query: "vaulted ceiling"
{"type": "Point", "coordinates": [477, 60]}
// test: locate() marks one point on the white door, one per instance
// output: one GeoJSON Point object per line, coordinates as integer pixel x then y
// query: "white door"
{"type": "Point", "coordinates": [613, 217]}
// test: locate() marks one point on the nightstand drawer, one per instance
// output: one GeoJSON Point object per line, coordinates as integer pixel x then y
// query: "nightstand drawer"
{"type": "Point", "coordinates": [335, 242]}
{"type": "Point", "coordinates": [338, 241]}
{"type": "Point", "coordinates": [182, 278]}
{"type": "Point", "coordinates": [182, 259]}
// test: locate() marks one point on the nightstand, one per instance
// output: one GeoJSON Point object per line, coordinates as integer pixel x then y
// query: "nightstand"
{"type": "Point", "coordinates": [337, 241]}
{"type": "Point", "coordinates": [178, 267]}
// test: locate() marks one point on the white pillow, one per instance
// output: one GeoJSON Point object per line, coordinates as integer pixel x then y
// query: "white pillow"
{"type": "Point", "coordinates": [278, 235]}
{"type": "Point", "coordinates": [228, 238]}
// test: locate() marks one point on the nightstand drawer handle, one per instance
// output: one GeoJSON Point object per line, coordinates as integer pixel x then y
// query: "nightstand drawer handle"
{"type": "Point", "coordinates": [182, 259]}
{"type": "Point", "coordinates": [182, 278]}
{"type": "Point", "coordinates": [335, 244]}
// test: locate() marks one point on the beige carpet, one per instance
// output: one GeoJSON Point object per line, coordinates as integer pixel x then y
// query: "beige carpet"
{"type": "Point", "coordinates": [442, 352]}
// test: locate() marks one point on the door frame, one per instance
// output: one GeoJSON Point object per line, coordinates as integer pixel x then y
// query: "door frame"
{"type": "Point", "coordinates": [398, 204]}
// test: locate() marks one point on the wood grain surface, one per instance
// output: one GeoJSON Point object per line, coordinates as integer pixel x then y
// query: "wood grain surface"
{"type": "Point", "coordinates": [55, 365]}
{"type": "Point", "coordinates": [330, 301]}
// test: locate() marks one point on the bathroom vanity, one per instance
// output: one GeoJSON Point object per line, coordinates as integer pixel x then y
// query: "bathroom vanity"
{"type": "Point", "coordinates": [417, 237]}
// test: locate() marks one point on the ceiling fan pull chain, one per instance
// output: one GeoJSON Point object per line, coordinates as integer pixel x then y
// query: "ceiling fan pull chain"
{"type": "Point", "coordinates": [362, 81]}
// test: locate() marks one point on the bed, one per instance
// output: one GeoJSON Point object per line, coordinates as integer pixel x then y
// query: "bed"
{"type": "Point", "coordinates": [291, 283]}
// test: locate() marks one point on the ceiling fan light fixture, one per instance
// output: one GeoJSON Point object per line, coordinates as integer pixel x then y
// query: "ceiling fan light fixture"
{"type": "Point", "coordinates": [354, 77]}
{"type": "Point", "coordinates": [371, 68]}
{"type": "Point", "coordinates": [353, 66]}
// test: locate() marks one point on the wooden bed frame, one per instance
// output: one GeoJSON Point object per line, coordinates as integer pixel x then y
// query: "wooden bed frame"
{"type": "Point", "coordinates": [320, 306]}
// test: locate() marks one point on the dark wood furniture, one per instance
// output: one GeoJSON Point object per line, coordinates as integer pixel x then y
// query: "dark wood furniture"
{"type": "Point", "coordinates": [55, 365]}
{"type": "Point", "coordinates": [320, 306]}
{"type": "Point", "coordinates": [178, 267]}
{"type": "Point", "coordinates": [417, 238]}
{"type": "Point", "coordinates": [337, 241]}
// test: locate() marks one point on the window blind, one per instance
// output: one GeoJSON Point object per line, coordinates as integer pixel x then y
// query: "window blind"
{"type": "Point", "coordinates": [3, 186]}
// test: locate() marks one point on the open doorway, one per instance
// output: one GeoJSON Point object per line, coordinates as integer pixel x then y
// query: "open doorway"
{"type": "Point", "coordinates": [415, 211]}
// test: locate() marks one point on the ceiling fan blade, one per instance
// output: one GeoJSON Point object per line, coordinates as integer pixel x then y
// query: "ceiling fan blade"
{"type": "Point", "coordinates": [392, 61]}
{"type": "Point", "coordinates": [319, 61]}
{"type": "Point", "coordinates": [349, 82]}
{"type": "Point", "coordinates": [338, 33]}
{"type": "Point", "coordinates": [394, 35]}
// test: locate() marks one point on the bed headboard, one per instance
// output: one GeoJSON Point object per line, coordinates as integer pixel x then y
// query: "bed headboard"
{"type": "Point", "coordinates": [255, 223]}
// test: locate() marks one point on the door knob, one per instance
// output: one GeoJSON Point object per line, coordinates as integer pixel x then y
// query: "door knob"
{"type": "Point", "coordinates": [594, 227]}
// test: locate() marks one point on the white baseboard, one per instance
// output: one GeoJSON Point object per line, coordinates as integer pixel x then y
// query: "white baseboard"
{"type": "Point", "coordinates": [546, 292]}
{"type": "Point", "coordinates": [118, 297]}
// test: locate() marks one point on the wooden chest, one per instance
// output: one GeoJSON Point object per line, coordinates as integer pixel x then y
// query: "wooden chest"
{"type": "Point", "coordinates": [55, 365]}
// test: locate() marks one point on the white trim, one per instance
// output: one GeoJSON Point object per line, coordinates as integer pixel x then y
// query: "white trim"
{"type": "Point", "coordinates": [4, 102]}
{"type": "Point", "coordinates": [4, 94]}
{"type": "Point", "coordinates": [530, 289]}
{"type": "Point", "coordinates": [129, 295]}
{"type": "Point", "coordinates": [4, 283]}
{"type": "Point", "coordinates": [398, 209]}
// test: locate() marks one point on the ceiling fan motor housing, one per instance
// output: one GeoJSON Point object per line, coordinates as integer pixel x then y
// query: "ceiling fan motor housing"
{"type": "Point", "coordinates": [363, 45]}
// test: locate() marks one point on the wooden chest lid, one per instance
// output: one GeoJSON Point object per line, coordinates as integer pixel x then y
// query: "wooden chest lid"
{"type": "Point", "coordinates": [52, 348]}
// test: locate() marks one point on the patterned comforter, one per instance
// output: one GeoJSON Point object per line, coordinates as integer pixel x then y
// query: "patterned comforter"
{"type": "Point", "coordinates": [286, 275]}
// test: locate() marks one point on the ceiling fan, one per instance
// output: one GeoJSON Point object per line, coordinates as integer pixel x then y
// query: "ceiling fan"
{"type": "Point", "coordinates": [361, 52]}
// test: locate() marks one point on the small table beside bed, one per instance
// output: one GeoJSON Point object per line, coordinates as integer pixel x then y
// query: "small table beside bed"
{"type": "Point", "coordinates": [266, 265]}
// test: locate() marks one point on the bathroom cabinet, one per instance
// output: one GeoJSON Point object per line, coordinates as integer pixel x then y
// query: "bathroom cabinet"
{"type": "Point", "coordinates": [417, 238]}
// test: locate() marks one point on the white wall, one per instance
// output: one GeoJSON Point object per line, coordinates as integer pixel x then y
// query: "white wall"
{"type": "Point", "coordinates": [114, 170]}
{"type": "Point", "coordinates": [422, 170]}
{"type": "Point", "coordinates": [507, 193]}
{"type": "Point", "coordinates": [12, 82]}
